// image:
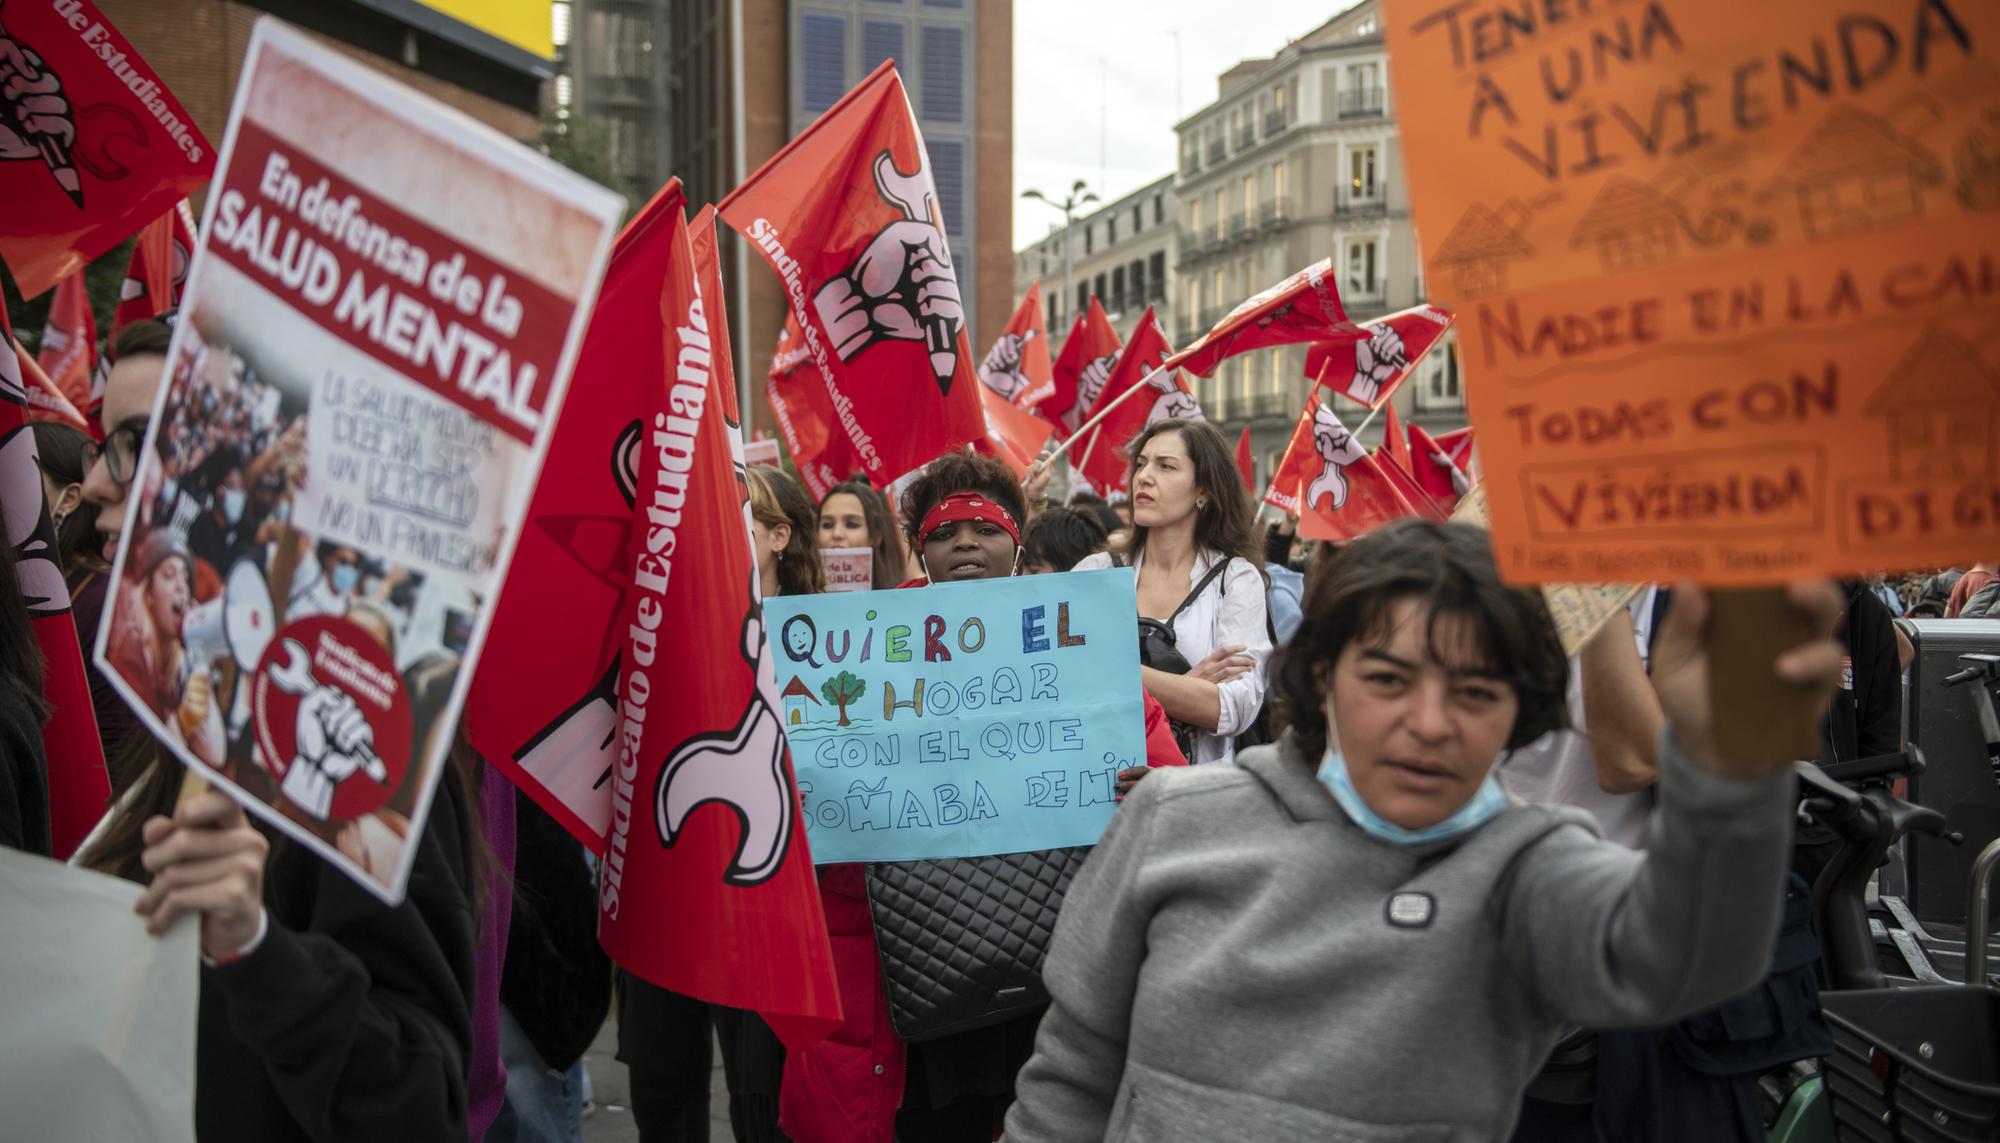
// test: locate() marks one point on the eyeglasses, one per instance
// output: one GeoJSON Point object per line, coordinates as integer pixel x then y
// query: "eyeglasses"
{"type": "Point", "coordinates": [120, 451]}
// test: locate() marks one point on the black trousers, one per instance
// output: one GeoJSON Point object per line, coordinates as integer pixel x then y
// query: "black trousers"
{"type": "Point", "coordinates": [664, 1042]}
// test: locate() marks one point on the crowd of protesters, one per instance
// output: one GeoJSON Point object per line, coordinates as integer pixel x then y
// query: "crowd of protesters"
{"type": "Point", "coordinates": [1450, 844]}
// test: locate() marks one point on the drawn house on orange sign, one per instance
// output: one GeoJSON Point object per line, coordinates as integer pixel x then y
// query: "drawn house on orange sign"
{"type": "Point", "coordinates": [1477, 250]}
{"type": "Point", "coordinates": [794, 699]}
{"type": "Point", "coordinates": [1631, 225]}
{"type": "Point", "coordinates": [1855, 172]}
{"type": "Point", "coordinates": [1942, 403]}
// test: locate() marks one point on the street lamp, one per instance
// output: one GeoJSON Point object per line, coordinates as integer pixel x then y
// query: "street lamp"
{"type": "Point", "coordinates": [1077, 197]}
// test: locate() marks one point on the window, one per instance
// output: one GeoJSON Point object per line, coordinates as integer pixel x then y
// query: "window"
{"type": "Point", "coordinates": [1363, 76]}
{"type": "Point", "coordinates": [1194, 217]}
{"type": "Point", "coordinates": [1159, 209]}
{"type": "Point", "coordinates": [1136, 275]}
{"type": "Point", "coordinates": [1054, 319]}
{"type": "Point", "coordinates": [1364, 27]}
{"type": "Point", "coordinates": [822, 59]}
{"type": "Point", "coordinates": [1118, 286]}
{"type": "Point", "coordinates": [1089, 237]}
{"type": "Point", "coordinates": [1361, 182]}
{"type": "Point", "coordinates": [1278, 182]}
{"type": "Point", "coordinates": [1216, 302]}
{"type": "Point", "coordinates": [1138, 219]}
{"type": "Point", "coordinates": [948, 171]}
{"type": "Point", "coordinates": [1221, 206]}
{"type": "Point", "coordinates": [1444, 375]}
{"type": "Point", "coordinates": [1156, 273]}
{"type": "Point", "coordinates": [1111, 230]}
{"type": "Point", "coordinates": [1278, 101]}
{"type": "Point", "coordinates": [1249, 194]}
{"type": "Point", "coordinates": [1083, 296]}
{"type": "Point", "coordinates": [1194, 298]}
{"type": "Point", "coordinates": [881, 40]}
{"type": "Point", "coordinates": [1361, 267]}
{"type": "Point", "coordinates": [1098, 289]}
{"type": "Point", "coordinates": [943, 63]}
{"type": "Point", "coordinates": [1277, 382]}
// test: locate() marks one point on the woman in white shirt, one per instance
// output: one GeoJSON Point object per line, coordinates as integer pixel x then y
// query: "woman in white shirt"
{"type": "Point", "coordinates": [1189, 516]}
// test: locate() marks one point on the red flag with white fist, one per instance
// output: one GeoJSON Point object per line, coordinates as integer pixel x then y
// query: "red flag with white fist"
{"type": "Point", "coordinates": [806, 416]}
{"type": "Point", "coordinates": [1442, 464]}
{"type": "Point", "coordinates": [1081, 370]}
{"type": "Point", "coordinates": [157, 272]}
{"type": "Point", "coordinates": [1337, 490]}
{"type": "Point", "coordinates": [659, 743]}
{"type": "Point", "coordinates": [1303, 308]}
{"type": "Point", "coordinates": [1368, 370]}
{"type": "Point", "coordinates": [1017, 367]}
{"type": "Point", "coordinates": [848, 215]}
{"type": "Point", "coordinates": [79, 787]}
{"type": "Point", "coordinates": [92, 144]}
{"type": "Point", "coordinates": [1104, 461]}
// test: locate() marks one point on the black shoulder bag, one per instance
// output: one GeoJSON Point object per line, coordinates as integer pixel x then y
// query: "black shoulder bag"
{"type": "Point", "coordinates": [1158, 649]}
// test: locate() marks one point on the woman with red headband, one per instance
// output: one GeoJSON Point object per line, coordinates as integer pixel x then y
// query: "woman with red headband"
{"type": "Point", "coordinates": [862, 1084]}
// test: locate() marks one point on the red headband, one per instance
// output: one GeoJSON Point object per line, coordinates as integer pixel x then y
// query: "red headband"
{"type": "Point", "coordinates": [968, 506]}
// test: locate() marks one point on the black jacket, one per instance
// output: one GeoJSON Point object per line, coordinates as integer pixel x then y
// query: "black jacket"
{"type": "Point", "coordinates": [352, 1021]}
{"type": "Point", "coordinates": [24, 773]}
{"type": "Point", "coordinates": [1866, 719]}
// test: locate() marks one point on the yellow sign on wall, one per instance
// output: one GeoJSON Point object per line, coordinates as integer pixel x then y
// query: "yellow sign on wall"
{"type": "Point", "coordinates": [522, 23]}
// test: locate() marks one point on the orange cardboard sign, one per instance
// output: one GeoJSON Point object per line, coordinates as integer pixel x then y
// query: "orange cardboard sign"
{"type": "Point", "coordinates": [1728, 278]}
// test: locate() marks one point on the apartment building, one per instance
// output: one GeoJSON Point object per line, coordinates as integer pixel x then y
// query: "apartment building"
{"type": "Point", "coordinates": [1123, 256]}
{"type": "Point", "coordinates": [1295, 161]}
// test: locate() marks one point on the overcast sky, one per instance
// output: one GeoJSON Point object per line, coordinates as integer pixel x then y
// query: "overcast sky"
{"type": "Point", "coordinates": [1099, 85]}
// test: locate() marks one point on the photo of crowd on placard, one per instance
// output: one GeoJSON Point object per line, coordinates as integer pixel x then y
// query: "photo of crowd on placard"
{"type": "Point", "coordinates": [216, 572]}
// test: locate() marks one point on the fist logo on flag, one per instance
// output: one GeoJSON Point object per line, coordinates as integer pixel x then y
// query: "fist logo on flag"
{"type": "Point", "coordinates": [1090, 383]}
{"type": "Point", "coordinates": [902, 286]}
{"type": "Point", "coordinates": [327, 709]}
{"type": "Point", "coordinates": [1002, 371]}
{"type": "Point", "coordinates": [35, 120]}
{"type": "Point", "coordinates": [1337, 450]}
{"type": "Point", "coordinates": [1377, 362]}
{"type": "Point", "coordinates": [29, 533]}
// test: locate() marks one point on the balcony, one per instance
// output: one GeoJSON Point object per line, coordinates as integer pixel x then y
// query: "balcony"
{"type": "Point", "coordinates": [1190, 164]}
{"type": "Point", "coordinates": [1241, 228]}
{"type": "Point", "coordinates": [1361, 103]}
{"type": "Point", "coordinates": [1364, 295]}
{"type": "Point", "coordinates": [1274, 214]}
{"type": "Point", "coordinates": [1217, 151]}
{"type": "Point", "coordinates": [1245, 140]}
{"type": "Point", "coordinates": [1284, 405]}
{"type": "Point", "coordinates": [1368, 201]}
{"type": "Point", "coordinates": [1275, 123]}
{"type": "Point", "coordinates": [1156, 293]}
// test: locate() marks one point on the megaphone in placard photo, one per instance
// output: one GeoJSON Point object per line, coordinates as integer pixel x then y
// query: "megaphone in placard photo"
{"type": "Point", "coordinates": [235, 624]}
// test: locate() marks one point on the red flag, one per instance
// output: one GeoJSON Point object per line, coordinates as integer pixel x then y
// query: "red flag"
{"type": "Point", "coordinates": [1103, 458]}
{"type": "Point", "coordinates": [1395, 446]}
{"type": "Point", "coordinates": [1442, 464]}
{"type": "Point", "coordinates": [1081, 370]}
{"type": "Point", "coordinates": [158, 270]}
{"type": "Point", "coordinates": [657, 743]}
{"type": "Point", "coordinates": [1368, 371]}
{"type": "Point", "coordinates": [848, 216]}
{"type": "Point", "coordinates": [1017, 367]}
{"type": "Point", "coordinates": [99, 145]}
{"type": "Point", "coordinates": [79, 788]}
{"type": "Point", "coordinates": [1303, 307]}
{"type": "Point", "coordinates": [806, 417]}
{"type": "Point", "coordinates": [1334, 486]}
{"type": "Point", "coordinates": [69, 343]}
{"type": "Point", "coordinates": [1012, 433]}
{"type": "Point", "coordinates": [1244, 463]}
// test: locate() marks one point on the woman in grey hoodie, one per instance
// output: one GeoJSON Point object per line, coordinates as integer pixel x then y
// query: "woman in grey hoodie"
{"type": "Point", "coordinates": [1354, 935]}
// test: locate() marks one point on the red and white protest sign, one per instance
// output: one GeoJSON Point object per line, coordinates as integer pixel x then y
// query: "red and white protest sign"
{"type": "Point", "coordinates": [848, 569]}
{"type": "Point", "coordinates": [761, 452]}
{"type": "Point", "coordinates": [1368, 369]}
{"type": "Point", "coordinates": [1017, 367]}
{"type": "Point", "coordinates": [376, 333]}
{"type": "Point", "coordinates": [92, 145]}
{"type": "Point", "coordinates": [849, 217]}
{"type": "Point", "coordinates": [1338, 491]}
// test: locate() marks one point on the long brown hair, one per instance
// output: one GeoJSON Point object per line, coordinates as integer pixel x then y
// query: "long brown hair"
{"type": "Point", "coordinates": [777, 499]}
{"type": "Point", "coordinates": [1225, 522]}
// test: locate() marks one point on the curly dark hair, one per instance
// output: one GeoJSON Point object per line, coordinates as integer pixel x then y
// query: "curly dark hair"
{"type": "Point", "coordinates": [1449, 567]}
{"type": "Point", "coordinates": [960, 472]}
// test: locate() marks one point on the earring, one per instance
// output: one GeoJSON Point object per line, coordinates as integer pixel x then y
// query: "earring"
{"type": "Point", "coordinates": [1200, 504]}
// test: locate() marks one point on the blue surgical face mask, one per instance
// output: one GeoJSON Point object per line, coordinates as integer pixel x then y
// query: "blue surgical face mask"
{"type": "Point", "coordinates": [232, 504]}
{"type": "Point", "coordinates": [346, 578]}
{"type": "Point", "coordinates": [1484, 806]}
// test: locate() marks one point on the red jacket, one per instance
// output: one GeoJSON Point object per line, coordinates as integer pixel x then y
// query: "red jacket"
{"type": "Point", "coordinates": [847, 1087]}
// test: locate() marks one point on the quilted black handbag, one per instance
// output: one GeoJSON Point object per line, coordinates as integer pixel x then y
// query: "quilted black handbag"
{"type": "Point", "coordinates": [962, 940]}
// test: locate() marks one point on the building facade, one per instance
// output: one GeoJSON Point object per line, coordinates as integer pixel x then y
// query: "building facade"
{"type": "Point", "coordinates": [1298, 160]}
{"type": "Point", "coordinates": [1123, 256]}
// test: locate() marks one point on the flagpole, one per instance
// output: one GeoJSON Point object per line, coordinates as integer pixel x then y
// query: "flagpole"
{"type": "Point", "coordinates": [1099, 415]}
{"type": "Point", "coordinates": [1369, 419]}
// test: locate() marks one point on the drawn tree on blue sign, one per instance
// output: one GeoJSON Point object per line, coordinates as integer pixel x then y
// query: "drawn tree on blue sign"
{"type": "Point", "coordinates": [842, 689]}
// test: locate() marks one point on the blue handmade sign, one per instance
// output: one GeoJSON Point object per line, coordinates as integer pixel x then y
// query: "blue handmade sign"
{"type": "Point", "coordinates": [963, 719]}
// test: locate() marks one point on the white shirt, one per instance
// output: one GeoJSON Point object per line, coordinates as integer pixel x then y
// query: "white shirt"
{"type": "Point", "coordinates": [1229, 610]}
{"type": "Point", "coordinates": [1560, 768]}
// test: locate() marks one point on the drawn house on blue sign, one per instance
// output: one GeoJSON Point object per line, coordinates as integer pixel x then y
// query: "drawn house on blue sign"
{"type": "Point", "coordinates": [794, 699]}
